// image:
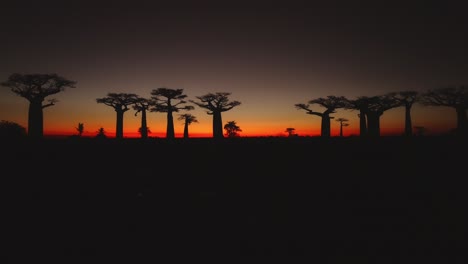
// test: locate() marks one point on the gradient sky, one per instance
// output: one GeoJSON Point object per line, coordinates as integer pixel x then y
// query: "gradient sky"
{"type": "Point", "coordinates": [268, 56]}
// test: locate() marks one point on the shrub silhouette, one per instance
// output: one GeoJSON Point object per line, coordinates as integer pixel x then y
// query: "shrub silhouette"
{"type": "Point", "coordinates": [10, 129]}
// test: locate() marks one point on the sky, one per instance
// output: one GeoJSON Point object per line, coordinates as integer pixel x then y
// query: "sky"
{"type": "Point", "coordinates": [268, 56]}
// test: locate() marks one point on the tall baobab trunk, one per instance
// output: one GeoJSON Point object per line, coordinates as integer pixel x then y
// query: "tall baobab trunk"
{"type": "Point", "coordinates": [35, 119]}
{"type": "Point", "coordinates": [144, 127]}
{"type": "Point", "coordinates": [408, 123]}
{"type": "Point", "coordinates": [362, 124]}
{"type": "Point", "coordinates": [462, 121]}
{"type": "Point", "coordinates": [170, 125]}
{"type": "Point", "coordinates": [341, 129]}
{"type": "Point", "coordinates": [119, 125]}
{"type": "Point", "coordinates": [186, 129]}
{"type": "Point", "coordinates": [217, 125]}
{"type": "Point", "coordinates": [373, 121]}
{"type": "Point", "coordinates": [326, 131]}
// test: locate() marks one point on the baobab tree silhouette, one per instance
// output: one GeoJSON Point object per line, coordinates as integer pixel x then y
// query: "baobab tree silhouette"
{"type": "Point", "coordinates": [370, 111]}
{"type": "Point", "coordinates": [35, 88]}
{"type": "Point", "coordinates": [142, 105]}
{"type": "Point", "coordinates": [330, 103]}
{"type": "Point", "coordinates": [188, 120]}
{"type": "Point", "coordinates": [342, 124]}
{"type": "Point", "coordinates": [454, 97]}
{"type": "Point", "coordinates": [168, 101]}
{"type": "Point", "coordinates": [120, 102]}
{"type": "Point", "coordinates": [407, 99]}
{"type": "Point", "coordinates": [376, 108]}
{"type": "Point", "coordinates": [362, 105]}
{"type": "Point", "coordinates": [216, 103]}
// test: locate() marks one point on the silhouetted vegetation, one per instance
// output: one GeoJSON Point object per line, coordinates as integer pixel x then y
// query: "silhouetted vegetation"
{"type": "Point", "coordinates": [342, 124]}
{"type": "Point", "coordinates": [11, 130]}
{"type": "Point", "coordinates": [454, 97]}
{"type": "Point", "coordinates": [120, 102]}
{"type": "Point", "coordinates": [407, 99]}
{"type": "Point", "coordinates": [35, 88]}
{"type": "Point", "coordinates": [101, 133]}
{"type": "Point", "coordinates": [370, 110]}
{"type": "Point", "coordinates": [232, 129]}
{"type": "Point", "coordinates": [330, 103]}
{"type": "Point", "coordinates": [168, 101]}
{"type": "Point", "coordinates": [80, 129]}
{"type": "Point", "coordinates": [142, 105]}
{"type": "Point", "coordinates": [216, 103]}
{"type": "Point", "coordinates": [291, 131]}
{"type": "Point", "coordinates": [188, 120]}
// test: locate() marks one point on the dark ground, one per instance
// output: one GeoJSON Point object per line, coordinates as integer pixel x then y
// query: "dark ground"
{"type": "Point", "coordinates": [342, 200]}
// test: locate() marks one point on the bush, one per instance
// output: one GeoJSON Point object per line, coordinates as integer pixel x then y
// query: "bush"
{"type": "Point", "coordinates": [10, 129]}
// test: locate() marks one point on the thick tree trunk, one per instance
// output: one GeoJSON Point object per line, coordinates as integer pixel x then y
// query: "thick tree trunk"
{"type": "Point", "coordinates": [35, 119]}
{"type": "Point", "coordinates": [144, 127]}
{"type": "Point", "coordinates": [217, 125]}
{"type": "Point", "coordinates": [186, 130]}
{"type": "Point", "coordinates": [362, 124]}
{"type": "Point", "coordinates": [326, 131]}
{"type": "Point", "coordinates": [462, 121]}
{"type": "Point", "coordinates": [408, 123]}
{"type": "Point", "coordinates": [119, 126]}
{"type": "Point", "coordinates": [170, 125]}
{"type": "Point", "coordinates": [373, 124]}
{"type": "Point", "coordinates": [341, 129]}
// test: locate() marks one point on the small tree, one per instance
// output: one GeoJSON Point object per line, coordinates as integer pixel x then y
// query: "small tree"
{"type": "Point", "coordinates": [232, 129]}
{"type": "Point", "coordinates": [101, 133]}
{"type": "Point", "coordinates": [291, 131]}
{"type": "Point", "coordinates": [188, 119]}
{"type": "Point", "coordinates": [142, 105]}
{"type": "Point", "coordinates": [342, 124]}
{"type": "Point", "coordinates": [80, 129]}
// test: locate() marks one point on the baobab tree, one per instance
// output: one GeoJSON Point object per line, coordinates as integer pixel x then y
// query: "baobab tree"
{"type": "Point", "coordinates": [188, 120]}
{"type": "Point", "coordinates": [342, 124]}
{"type": "Point", "coordinates": [232, 129]}
{"type": "Point", "coordinates": [142, 105]}
{"type": "Point", "coordinates": [407, 99]}
{"type": "Point", "coordinates": [330, 103]}
{"type": "Point", "coordinates": [168, 100]}
{"type": "Point", "coordinates": [362, 105]}
{"type": "Point", "coordinates": [454, 97]}
{"type": "Point", "coordinates": [35, 88]}
{"type": "Point", "coordinates": [370, 111]}
{"type": "Point", "coordinates": [376, 108]}
{"type": "Point", "coordinates": [216, 103]}
{"type": "Point", "coordinates": [120, 102]}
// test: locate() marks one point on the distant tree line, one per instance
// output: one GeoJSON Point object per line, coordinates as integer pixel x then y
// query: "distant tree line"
{"type": "Point", "coordinates": [371, 108]}
{"type": "Point", "coordinates": [37, 87]}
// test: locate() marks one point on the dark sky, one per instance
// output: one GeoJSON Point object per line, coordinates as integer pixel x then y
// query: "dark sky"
{"type": "Point", "coordinates": [270, 56]}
